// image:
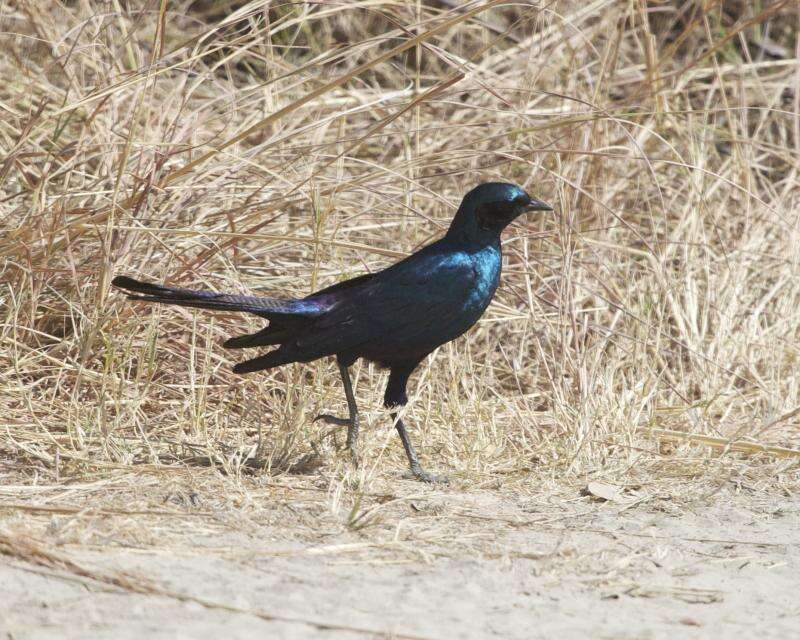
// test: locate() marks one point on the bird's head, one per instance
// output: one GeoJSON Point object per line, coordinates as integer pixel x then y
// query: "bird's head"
{"type": "Point", "coordinates": [489, 208]}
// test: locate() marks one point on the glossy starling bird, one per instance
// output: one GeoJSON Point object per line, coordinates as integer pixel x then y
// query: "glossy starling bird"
{"type": "Point", "coordinates": [394, 317]}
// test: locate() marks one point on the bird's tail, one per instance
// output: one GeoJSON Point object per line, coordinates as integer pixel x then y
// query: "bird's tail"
{"type": "Point", "coordinates": [270, 308]}
{"type": "Point", "coordinates": [269, 360]}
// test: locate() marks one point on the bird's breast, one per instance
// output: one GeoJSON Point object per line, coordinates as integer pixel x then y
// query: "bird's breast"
{"type": "Point", "coordinates": [481, 269]}
{"type": "Point", "coordinates": [472, 289]}
{"type": "Point", "coordinates": [486, 273]}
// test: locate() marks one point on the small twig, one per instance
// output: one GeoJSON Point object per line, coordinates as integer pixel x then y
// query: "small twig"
{"type": "Point", "coordinates": [29, 551]}
{"type": "Point", "coordinates": [721, 443]}
{"type": "Point", "coordinates": [66, 509]}
{"type": "Point", "coordinates": [754, 543]}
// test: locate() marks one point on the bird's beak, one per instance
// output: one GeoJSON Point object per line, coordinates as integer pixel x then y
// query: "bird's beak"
{"type": "Point", "coordinates": [537, 205]}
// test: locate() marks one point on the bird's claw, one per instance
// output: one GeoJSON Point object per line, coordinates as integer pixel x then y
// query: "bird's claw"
{"type": "Point", "coordinates": [330, 419]}
{"type": "Point", "coordinates": [418, 473]}
{"type": "Point", "coordinates": [352, 433]}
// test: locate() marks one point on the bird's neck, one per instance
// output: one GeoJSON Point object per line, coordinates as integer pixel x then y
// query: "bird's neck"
{"type": "Point", "coordinates": [465, 231]}
{"type": "Point", "coordinates": [472, 239]}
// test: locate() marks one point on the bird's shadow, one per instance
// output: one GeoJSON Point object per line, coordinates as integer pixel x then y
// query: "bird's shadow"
{"type": "Point", "coordinates": [235, 460]}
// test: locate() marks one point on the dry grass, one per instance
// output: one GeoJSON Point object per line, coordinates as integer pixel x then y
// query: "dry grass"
{"type": "Point", "coordinates": [279, 147]}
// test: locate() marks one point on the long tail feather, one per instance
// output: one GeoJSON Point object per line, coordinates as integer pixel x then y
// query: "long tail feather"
{"type": "Point", "coordinates": [271, 335]}
{"type": "Point", "coordinates": [263, 307]}
{"type": "Point", "coordinates": [267, 361]}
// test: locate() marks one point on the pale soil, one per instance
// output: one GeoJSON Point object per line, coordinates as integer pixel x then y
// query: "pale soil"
{"type": "Point", "coordinates": [433, 563]}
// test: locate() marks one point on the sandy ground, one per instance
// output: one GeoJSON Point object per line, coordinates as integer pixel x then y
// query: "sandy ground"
{"type": "Point", "coordinates": [419, 563]}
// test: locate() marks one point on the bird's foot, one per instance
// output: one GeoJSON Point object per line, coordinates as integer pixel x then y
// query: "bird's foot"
{"type": "Point", "coordinates": [352, 432]}
{"type": "Point", "coordinates": [329, 419]}
{"type": "Point", "coordinates": [418, 473]}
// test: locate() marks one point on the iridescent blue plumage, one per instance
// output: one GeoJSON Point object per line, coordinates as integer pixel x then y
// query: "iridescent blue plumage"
{"type": "Point", "coordinates": [395, 317]}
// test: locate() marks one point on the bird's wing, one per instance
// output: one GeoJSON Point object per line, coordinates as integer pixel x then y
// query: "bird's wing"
{"type": "Point", "coordinates": [414, 305]}
{"type": "Point", "coordinates": [335, 290]}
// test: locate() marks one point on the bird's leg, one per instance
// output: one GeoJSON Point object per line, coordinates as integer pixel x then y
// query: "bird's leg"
{"type": "Point", "coordinates": [352, 428]}
{"type": "Point", "coordinates": [395, 397]}
{"type": "Point", "coordinates": [351, 422]}
{"type": "Point", "coordinates": [416, 470]}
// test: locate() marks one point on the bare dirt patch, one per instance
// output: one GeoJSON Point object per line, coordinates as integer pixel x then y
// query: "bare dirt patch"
{"type": "Point", "coordinates": [165, 560]}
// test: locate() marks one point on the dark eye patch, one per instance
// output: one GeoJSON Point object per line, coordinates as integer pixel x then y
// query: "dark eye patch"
{"type": "Point", "coordinates": [496, 211]}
